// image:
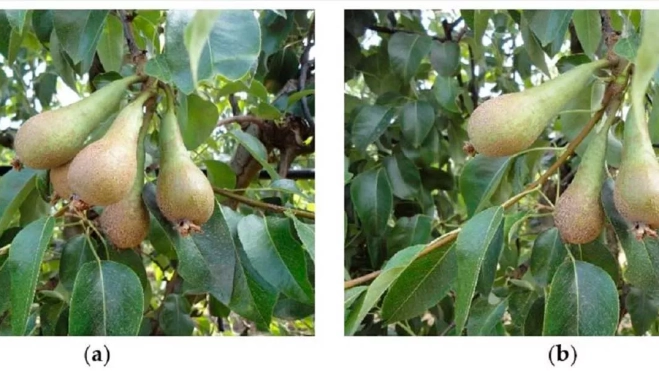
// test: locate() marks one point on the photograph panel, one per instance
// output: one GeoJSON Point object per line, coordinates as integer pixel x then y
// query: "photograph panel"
{"type": "Point", "coordinates": [500, 172]}
{"type": "Point", "coordinates": [157, 172]}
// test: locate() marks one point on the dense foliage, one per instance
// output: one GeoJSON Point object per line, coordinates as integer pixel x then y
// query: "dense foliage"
{"type": "Point", "coordinates": [244, 85]}
{"type": "Point", "coordinates": [440, 241]}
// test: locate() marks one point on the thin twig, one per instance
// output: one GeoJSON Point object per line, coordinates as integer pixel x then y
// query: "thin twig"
{"type": "Point", "coordinates": [263, 205]}
{"type": "Point", "coordinates": [128, 34]}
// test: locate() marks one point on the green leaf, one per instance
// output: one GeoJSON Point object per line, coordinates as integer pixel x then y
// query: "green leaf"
{"type": "Point", "coordinates": [535, 319]}
{"type": "Point", "coordinates": [408, 232]}
{"type": "Point", "coordinates": [446, 91]}
{"type": "Point", "coordinates": [231, 49]}
{"type": "Point", "coordinates": [480, 180]}
{"type": "Point", "coordinates": [532, 46]}
{"type": "Point", "coordinates": [49, 315]}
{"type": "Point", "coordinates": [17, 19]}
{"type": "Point", "coordinates": [79, 32]}
{"type": "Point", "coordinates": [445, 57]}
{"type": "Point", "coordinates": [276, 255]}
{"type": "Point", "coordinates": [45, 87]}
{"type": "Point", "coordinates": [403, 176]}
{"type": "Point", "coordinates": [627, 47]}
{"type": "Point", "coordinates": [42, 24]}
{"type": "Point", "coordinates": [75, 253]}
{"type": "Point", "coordinates": [15, 186]}
{"type": "Point", "coordinates": [597, 253]}
{"type": "Point", "coordinates": [548, 25]}
{"type": "Point", "coordinates": [352, 294]}
{"type": "Point", "coordinates": [220, 175]}
{"type": "Point", "coordinates": [369, 124]}
{"type": "Point", "coordinates": [24, 262]}
{"type": "Point", "coordinates": [107, 300]}
{"type": "Point", "coordinates": [406, 50]}
{"type": "Point", "coordinates": [33, 208]}
{"type": "Point", "coordinates": [5, 283]}
{"type": "Point", "coordinates": [197, 119]}
{"type": "Point", "coordinates": [196, 37]}
{"type": "Point", "coordinates": [588, 25]}
{"type": "Point", "coordinates": [582, 301]}
{"type": "Point", "coordinates": [111, 45]}
{"type": "Point", "coordinates": [519, 307]}
{"type": "Point", "coordinates": [485, 317]}
{"type": "Point", "coordinates": [642, 256]}
{"type": "Point", "coordinates": [307, 234]}
{"type": "Point", "coordinates": [174, 318]}
{"type": "Point", "coordinates": [645, 64]}
{"type": "Point", "coordinates": [420, 286]}
{"type": "Point", "coordinates": [547, 255]}
{"type": "Point", "coordinates": [275, 30]}
{"type": "Point", "coordinates": [481, 238]}
{"type": "Point", "coordinates": [256, 149]}
{"type": "Point", "coordinates": [390, 272]}
{"type": "Point", "coordinates": [253, 298]}
{"type": "Point", "coordinates": [60, 62]}
{"type": "Point", "coordinates": [377, 73]}
{"type": "Point", "coordinates": [417, 120]}
{"type": "Point", "coordinates": [643, 308]}
{"type": "Point", "coordinates": [372, 198]}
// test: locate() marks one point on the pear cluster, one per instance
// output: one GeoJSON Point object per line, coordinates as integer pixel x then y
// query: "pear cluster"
{"type": "Point", "coordinates": [109, 172]}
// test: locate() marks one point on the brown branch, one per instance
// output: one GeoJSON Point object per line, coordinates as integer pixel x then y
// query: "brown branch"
{"type": "Point", "coordinates": [241, 120]}
{"type": "Point", "coordinates": [263, 205]}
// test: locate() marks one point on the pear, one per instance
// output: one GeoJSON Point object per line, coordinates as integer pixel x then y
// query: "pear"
{"type": "Point", "coordinates": [183, 193]}
{"type": "Point", "coordinates": [52, 138]}
{"type": "Point", "coordinates": [126, 223]}
{"type": "Point", "coordinates": [510, 123]}
{"type": "Point", "coordinates": [59, 179]}
{"type": "Point", "coordinates": [104, 171]}
{"type": "Point", "coordinates": [579, 215]}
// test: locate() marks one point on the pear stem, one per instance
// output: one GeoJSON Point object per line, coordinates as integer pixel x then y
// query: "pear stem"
{"type": "Point", "coordinates": [263, 205]}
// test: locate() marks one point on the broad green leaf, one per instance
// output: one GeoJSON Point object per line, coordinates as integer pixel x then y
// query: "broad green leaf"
{"type": "Point", "coordinates": [417, 120]}
{"type": "Point", "coordinates": [197, 119]}
{"type": "Point", "coordinates": [196, 37]}
{"type": "Point", "coordinates": [290, 310]}
{"type": "Point", "coordinates": [445, 57]}
{"type": "Point", "coordinates": [307, 234]}
{"type": "Point", "coordinates": [582, 301]}
{"type": "Point", "coordinates": [627, 47]}
{"type": "Point", "coordinates": [588, 25]}
{"type": "Point", "coordinates": [642, 256]}
{"type": "Point", "coordinates": [220, 175]}
{"type": "Point", "coordinates": [111, 45]}
{"type": "Point", "coordinates": [446, 92]}
{"type": "Point", "coordinates": [533, 47]}
{"type": "Point", "coordinates": [643, 308]}
{"type": "Point", "coordinates": [17, 19]}
{"type": "Point", "coordinates": [378, 75]}
{"type": "Point", "coordinates": [42, 24]}
{"type": "Point", "coordinates": [275, 29]}
{"type": "Point", "coordinates": [547, 255]}
{"type": "Point", "coordinates": [403, 176]}
{"type": "Point", "coordinates": [535, 319]}
{"type": "Point", "coordinates": [420, 286]}
{"type": "Point", "coordinates": [15, 186]}
{"type": "Point", "coordinates": [75, 253]}
{"type": "Point", "coordinates": [352, 294]}
{"type": "Point", "coordinates": [33, 208]}
{"type": "Point", "coordinates": [485, 317]}
{"type": "Point", "coordinates": [274, 253]}
{"type": "Point", "coordinates": [406, 50]}
{"type": "Point", "coordinates": [481, 238]}
{"type": "Point", "coordinates": [79, 32]}
{"type": "Point", "coordinates": [480, 179]}
{"type": "Point", "coordinates": [253, 297]}
{"type": "Point", "coordinates": [256, 149]}
{"type": "Point", "coordinates": [12, 38]}
{"type": "Point", "coordinates": [409, 232]}
{"type": "Point", "coordinates": [45, 87]}
{"type": "Point", "coordinates": [60, 62]}
{"type": "Point", "coordinates": [372, 198]}
{"type": "Point", "coordinates": [548, 25]}
{"type": "Point", "coordinates": [519, 307]}
{"type": "Point", "coordinates": [49, 315]}
{"type": "Point", "coordinates": [287, 186]}
{"type": "Point", "coordinates": [597, 253]}
{"type": "Point", "coordinates": [107, 300]}
{"type": "Point", "coordinates": [24, 262]}
{"type": "Point", "coordinates": [133, 260]}
{"type": "Point", "coordinates": [369, 124]}
{"type": "Point", "coordinates": [390, 272]}
{"type": "Point", "coordinates": [5, 283]}
{"type": "Point", "coordinates": [174, 318]}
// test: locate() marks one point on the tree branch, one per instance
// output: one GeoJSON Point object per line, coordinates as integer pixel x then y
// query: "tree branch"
{"type": "Point", "coordinates": [241, 120]}
{"type": "Point", "coordinates": [127, 22]}
{"type": "Point", "coordinates": [263, 205]}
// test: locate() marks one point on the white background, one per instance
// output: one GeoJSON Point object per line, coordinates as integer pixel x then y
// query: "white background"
{"type": "Point", "coordinates": [328, 349]}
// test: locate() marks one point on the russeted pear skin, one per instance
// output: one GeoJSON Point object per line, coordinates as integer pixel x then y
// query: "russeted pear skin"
{"type": "Point", "coordinates": [510, 123]}
{"type": "Point", "coordinates": [126, 223]}
{"type": "Point", "coordinates": [579, 215]}
{"type": "Point", "coordinates": [59, 180]}
{"type": "Point", "coordinates": [104, 171]}
{"type": "Point", "coordinates": [52, 138]}
{"type": "Point", "coordinates": [183, 192]}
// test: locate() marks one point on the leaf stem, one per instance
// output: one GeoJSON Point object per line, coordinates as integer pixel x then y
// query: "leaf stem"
{"type": "Point", "coordinates": [263, 205]}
